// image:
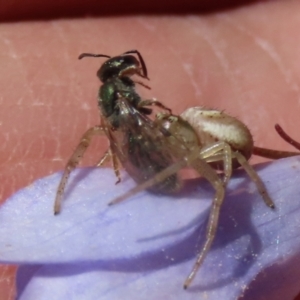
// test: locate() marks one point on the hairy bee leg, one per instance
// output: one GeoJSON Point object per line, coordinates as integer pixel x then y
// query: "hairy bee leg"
{"type": "Point", "coordinates": [73, 162]}
{"type": "Point", "coordinates": [103, 159]}
{"type": "Point", "coordinates": [255, 178]}
{"type": "Point", "coordinates": [276, 154]}
{"type": "Point", "coordinates": [115, 165]}
{"type": "Point", "coordinates": [109, 154]}
{"type": "Point", "coordinates": [286, 137]}
{"type": "Point", "coordinates": [148, 102]}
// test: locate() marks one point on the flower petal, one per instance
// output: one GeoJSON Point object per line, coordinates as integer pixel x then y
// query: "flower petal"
{"type": "Point", "coordinates": [148, 244]}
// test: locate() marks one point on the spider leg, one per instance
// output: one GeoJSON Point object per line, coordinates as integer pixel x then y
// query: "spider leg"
{"type": "Point", "coordinates": [255, 178]}
{"type": "Point", "coordinates": [191, 160]}
{"type": "Point", "coordinates": [219, 186]}
{"type": "Point", "coordinates": [216, 152]}
{"type": "Point", "coordinates": [73, 162]}
{"type": "Point", "coordinates": [150, 182]}
{"type": "Point", "coordinates": [210, 231]}
{"type": "Point", "coordinates": [275, 154]}
{"type": "Point", "coordinates": [286, 137]}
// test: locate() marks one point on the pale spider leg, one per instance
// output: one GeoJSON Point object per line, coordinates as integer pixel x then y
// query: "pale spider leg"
{"type": "Point", "coordinates": [208, 173]}
{"type": "Point", "coordinates": [210, 236]}
{"type": "Point", "coordinates": [213, 220]}
{"type": "Point", "coordinates": [150, 182]}
{"type": "Point", "coordinates": [73, 162]}
{"type": "Point", "coordinates": [255, 178]}
{"type": "Point", "coordinates": [275, 154]}
{"type": "Point", "coordinates": [148, 102]}
{"type": "Point", "coordinates": [210, 154]}
{"type": "Point", "coordinates": [109, 153]}
{"type": "Point", "coordinates": [286, 137]}
{"type": "Point", "coordinates": [250, 171]}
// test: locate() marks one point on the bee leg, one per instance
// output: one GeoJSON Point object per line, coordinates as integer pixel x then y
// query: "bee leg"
{"type": "Point", "coordinates": [150, 102]}
{"type": "Point", "coordinates": [115, 166]}
{"type": "Point", "coordinates": [73, 162]}
{"type": "Point", "coordinates": [142, 84]}
{"type": "Point", "coordinates": [110, 154]}
{"type": "Point", "coordinates": [103, 159]}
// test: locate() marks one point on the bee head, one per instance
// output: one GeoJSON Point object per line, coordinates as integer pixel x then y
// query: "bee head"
{"type": "Point", "coordinates": [120, 66]}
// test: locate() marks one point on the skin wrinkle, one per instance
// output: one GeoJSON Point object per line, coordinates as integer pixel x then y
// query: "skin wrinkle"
{"type": "Point", "coordinates": [217, 51]}
{"type": "Point", "coordinates": [74, 91]}
{"type": "Point", "coordinates": [55, 139]}
{"type": "Point", "coordinates": [11, 156]}
{"type": "Point", "coordinates": [188, 68]}
{"type": "Point", "coordinates": [175, 52]}
{"type": "Point", "coordinates": [10, 50]}
{"type": "Point", "coordinates": [183, 64]}
{"type": "Point", "coordinates": [262, 114]}
{"type": "Point", "coordinates": [267, 47]}
{"type": "Point", "coordinates": [20, 64]}
{"type": "Point", "coordinates": [5, 140]}
{"type": "Point", "coordinates": [270, 51]}
{"type": "Point", "coordinates": [59, 32]}
{"type": "Point", "coordinates": [6, 279]}
{"type": "Point", "coordinates": [147, 25]}
{"type": "Point", "coordinates": [42, 144]}
{"type": "Point", "coordinates": [77, 98]}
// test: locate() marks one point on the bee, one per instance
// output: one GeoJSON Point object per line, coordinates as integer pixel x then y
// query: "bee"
{"type": "Point", "coordinates": [132, 136]}
{"type": "Point", "coordinates": [142, 146]}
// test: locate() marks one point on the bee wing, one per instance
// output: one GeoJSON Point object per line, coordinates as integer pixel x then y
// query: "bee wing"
{"type": "Point", "coordinates": [142, 147]}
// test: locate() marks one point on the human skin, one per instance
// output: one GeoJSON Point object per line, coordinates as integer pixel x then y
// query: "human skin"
{"type": "Point", "coordinates": [243, 61]}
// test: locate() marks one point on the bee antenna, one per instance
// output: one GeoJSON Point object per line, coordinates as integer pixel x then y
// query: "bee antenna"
{"type": "Point", "coordinates": [144, 68]}
{"type": "Point", "coordinates": [82, 55]}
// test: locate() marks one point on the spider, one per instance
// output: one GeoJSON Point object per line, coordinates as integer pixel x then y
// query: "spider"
{"type": "Point", "coordinates": [223, 142]}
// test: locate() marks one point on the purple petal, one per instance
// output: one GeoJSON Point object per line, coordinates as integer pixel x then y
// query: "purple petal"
{"type": "Point", "coordinates": [87, 228]}
{"type": "Point", "coordinates": [144, 247]}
